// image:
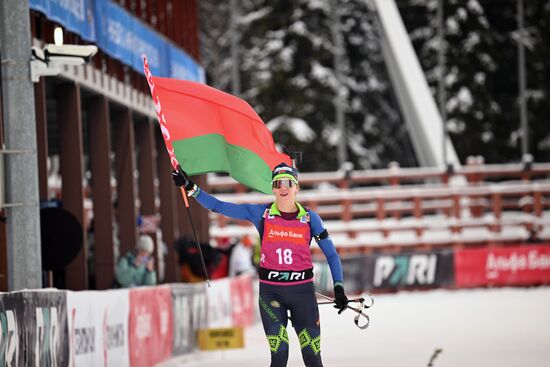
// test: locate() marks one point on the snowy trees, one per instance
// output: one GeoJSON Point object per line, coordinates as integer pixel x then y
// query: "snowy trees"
{"type": "Point", "coordinates": [288, 76]}
{"type": "Point", "coordinates": [287, 66]}
{"type": "Point", "coordinates": [482, 72]}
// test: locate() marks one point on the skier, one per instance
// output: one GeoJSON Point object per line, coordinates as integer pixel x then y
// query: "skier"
{"type": "Point", "coordinates": [286, 270]}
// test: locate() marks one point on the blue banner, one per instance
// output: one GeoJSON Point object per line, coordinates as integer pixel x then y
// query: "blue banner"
{"type": "Point", "coordinates": [121, 36]}
{"type": "Point", "coordinates": [75, 15]}
{"type": "Point", "coordinates": [182, 66]}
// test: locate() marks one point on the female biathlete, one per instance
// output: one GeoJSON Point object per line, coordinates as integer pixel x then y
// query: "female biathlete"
{"type": "Point", "coordinates": [286, 270]}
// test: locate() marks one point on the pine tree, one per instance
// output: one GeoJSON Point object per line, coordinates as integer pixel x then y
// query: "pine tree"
{"type": "Point", "coordinates": [288, 75]}
{"type": "Point", "coordinates": [469, 72]}
{"type": "Point", "coordinates": [378, 133]}
{"type": "Point", "coordinates": [482, 72]}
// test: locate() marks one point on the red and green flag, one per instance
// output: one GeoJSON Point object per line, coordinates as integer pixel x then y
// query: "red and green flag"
{"type": "Point", "coordinates": [207, 130]}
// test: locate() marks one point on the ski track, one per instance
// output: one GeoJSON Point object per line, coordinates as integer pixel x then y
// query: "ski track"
{"type": "Point", "coordinates": [478, 327]}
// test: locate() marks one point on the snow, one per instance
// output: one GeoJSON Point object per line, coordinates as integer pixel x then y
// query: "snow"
{"type": "Point", "coordinates": [471, 41]}
{"type": "Point", "coordinates": [298, 127]}
{"type": "Point", "coordinates": [475, 7]}
{"type": "Point", "coordinates": [452, 26]}
{"type": "Point", "coordinates": [480, 327]}
{"type": "Point", "coordinates": [254, 16]}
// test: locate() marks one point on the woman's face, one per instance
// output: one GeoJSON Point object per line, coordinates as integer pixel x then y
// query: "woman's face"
{"type": "Point", "coordinates": [285, 191]}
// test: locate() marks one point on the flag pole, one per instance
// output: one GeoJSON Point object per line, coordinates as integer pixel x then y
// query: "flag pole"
{"type": "Point", "coordinates": [171, 154]}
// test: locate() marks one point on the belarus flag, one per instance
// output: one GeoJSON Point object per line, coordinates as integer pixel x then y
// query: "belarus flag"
{"type": "Point", "coordinates": [207, 130]}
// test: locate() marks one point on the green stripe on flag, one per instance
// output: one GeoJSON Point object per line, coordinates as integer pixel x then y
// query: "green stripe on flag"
{"type": "Point", "coordinates": [212, 153]}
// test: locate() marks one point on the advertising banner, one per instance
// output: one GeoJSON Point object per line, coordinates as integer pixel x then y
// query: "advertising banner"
{"type": "Point", "coordinates": [187, 316]}
{"type": "Point", "coordinates": [409, 270]}
{"type": "Point", "coordinates": [200, 309]}
{"type": "Point", "coordinates": [242, 300]}
{"type": "Point", "coordinates": [355, 275]}
{"type": "Point", "coordinates": [122, 36]}
{"type": "Point", "coordinates": [76, 16]}
{"type": "Point", "coordinates": [46, 330]}
{"type": "Point", "coordinates": [183, 67]}
{"type": "Point", "coordinates": [525, 265]}
{"type": "Point", "coordinates": [390, 272]}
{"type": "Point", "coordinates": [115, 328]}
{"type": "Point", "coordinates": [219, 309]}
{"type": "Point", "coordinates": [150, 325]}
{"type": "Point", "coordinates": [12, 323]}
{"type": "Point", "coordinates": [322, 277]}
{"type": "Point", "coordinates": [98, 328]}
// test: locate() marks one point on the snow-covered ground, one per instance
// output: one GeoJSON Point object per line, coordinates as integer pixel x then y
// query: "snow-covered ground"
{"type": "Point", "coordinates": [479, 327]}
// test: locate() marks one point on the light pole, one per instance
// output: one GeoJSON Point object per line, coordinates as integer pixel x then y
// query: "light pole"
{"type": "Point", "coordinates": [24, 262]}
{"type": "Point", "coordinates": [338, 98]}
{"type": "Point", "coordinates": [441, 84]}
{"type": "Point", "coordinates": [235, 39]}
{"type": "Point", "coordinates": [521, 76]}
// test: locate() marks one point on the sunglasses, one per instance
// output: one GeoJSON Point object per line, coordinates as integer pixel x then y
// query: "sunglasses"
{"type": "Point", "coordinates": [279, 183]}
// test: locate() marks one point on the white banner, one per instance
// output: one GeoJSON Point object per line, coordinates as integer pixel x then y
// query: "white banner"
{"type": "Point", "coordinates": [98, 328]}
{"type": "Point", "coordinates": [218, 299]}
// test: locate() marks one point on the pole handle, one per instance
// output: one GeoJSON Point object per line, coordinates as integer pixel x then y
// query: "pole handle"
{"type": "Point", "coordinates": [184, 194]}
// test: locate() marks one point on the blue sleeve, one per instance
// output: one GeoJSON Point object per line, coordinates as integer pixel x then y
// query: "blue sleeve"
{"type": "Point", "coordinates": [327, 246]}
{"type": "Point", "coordinates": [250, 212]}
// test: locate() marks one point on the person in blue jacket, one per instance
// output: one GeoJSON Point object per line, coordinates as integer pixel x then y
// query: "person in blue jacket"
{"type": "Point", "coordinates": [286, 229]}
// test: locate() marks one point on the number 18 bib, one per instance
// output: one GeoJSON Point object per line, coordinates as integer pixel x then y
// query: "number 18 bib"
{"type": "Point", "coordinates": [285, 255]}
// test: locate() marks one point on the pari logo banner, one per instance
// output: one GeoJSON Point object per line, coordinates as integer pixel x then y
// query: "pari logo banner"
{"type": "Point", "coordinates": [410, 270]}
{"type": "Point", "coordinates": [47, 335]}
{"type": "Point", "coordinates": [46, 331]}
{"type": "Point", "coordinates": [33, 326]}
{"type": "Point", "coordinates": [10, 343]}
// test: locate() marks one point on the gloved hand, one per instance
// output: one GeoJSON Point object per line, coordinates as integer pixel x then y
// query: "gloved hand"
{"type": "Point", "coordinates": [340, 298]}
{"type": "Point", "coordinates": [181, 179]}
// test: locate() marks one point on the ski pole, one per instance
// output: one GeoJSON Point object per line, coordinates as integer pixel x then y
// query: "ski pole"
{"type": "Point", "coordinates": [358, 310]}
{"type": "Point", "coordinates": [357, 300]}
{"type": "Point", "coordinates": [184, 194]}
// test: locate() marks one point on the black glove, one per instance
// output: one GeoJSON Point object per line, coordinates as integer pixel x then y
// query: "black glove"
{"type": "Point", "coordinates": [181, 179]}
{"type": "Point", "coordinates": [340, 298]}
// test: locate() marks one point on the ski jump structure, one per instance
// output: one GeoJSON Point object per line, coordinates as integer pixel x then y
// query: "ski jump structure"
{"type": "Point", "coordinates": [417, 104]}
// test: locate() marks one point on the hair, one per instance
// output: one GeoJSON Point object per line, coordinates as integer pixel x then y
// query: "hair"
{"type": "Point", "coordinates": [145, 243]}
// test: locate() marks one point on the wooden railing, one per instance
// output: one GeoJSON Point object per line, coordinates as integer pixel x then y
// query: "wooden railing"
{"type": "Point", "coordinates": [477, 204]}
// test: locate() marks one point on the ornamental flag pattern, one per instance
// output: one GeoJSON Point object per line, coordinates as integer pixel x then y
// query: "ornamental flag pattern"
{"type": "Point", "coordinates": [276, 340]}
{"type": "Point", "coordinates": [306, 340]}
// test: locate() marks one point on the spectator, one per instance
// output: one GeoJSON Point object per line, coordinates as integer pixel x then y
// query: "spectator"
{"type": "Point", "coordinates": [224, 248]}
{"type": "Point", "coordinates": [137, 266]}
{"type": "Point", "coordinates": [240, 261]}
{"type": "Point", "coordinates": [190, 261]}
